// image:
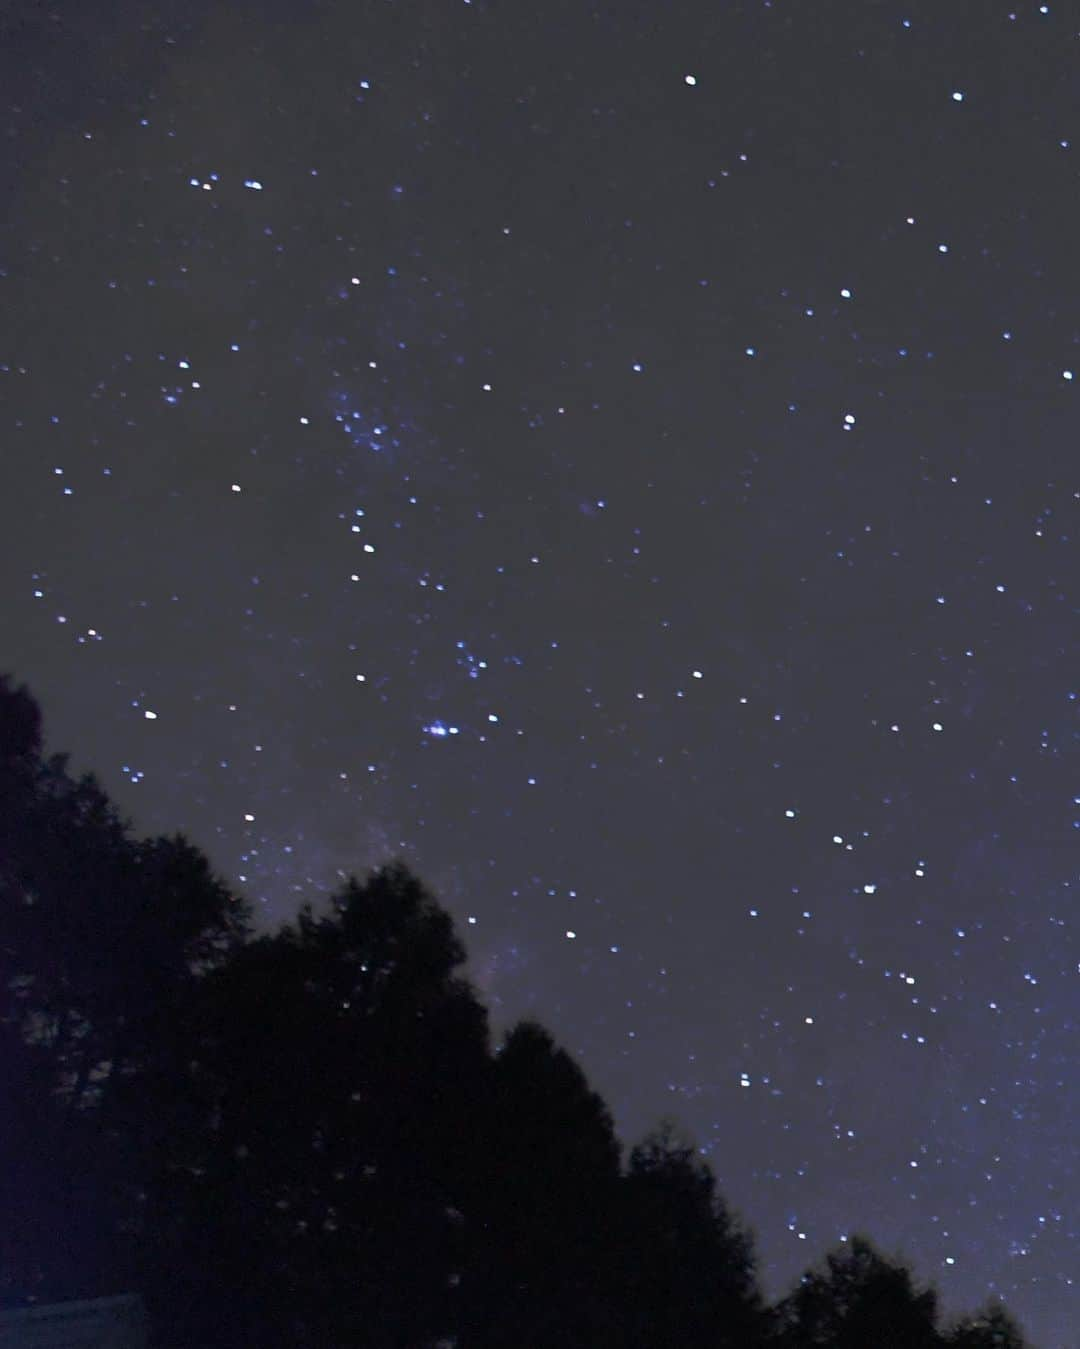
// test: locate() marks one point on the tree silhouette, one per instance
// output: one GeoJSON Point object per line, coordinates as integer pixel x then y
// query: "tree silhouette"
{"type": "Point", "coordinates": [858, 1298]}
{"type": "Point", "coordinates": [55, 1221]}
{"type": "Point", "coordinates": [690, 1265]}
{"type": "Point", "coordinates": [98, 932]}
{"type": "Point", "coordinates": [20, 723]}
{"type": "Point", "coordinates": [339, 1063]}
{"type": "Point", "coordinates": [101, 940]}
{"type": "Point", "coordinates": [304, 1139]}
{"type": "Point", "coordinates": [540, 1226]}
{"type": "Point", "coordinates": [990, 1328]}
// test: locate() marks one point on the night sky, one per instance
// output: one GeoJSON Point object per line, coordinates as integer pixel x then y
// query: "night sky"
{"type": "Point", "coordinates": [622, 459]}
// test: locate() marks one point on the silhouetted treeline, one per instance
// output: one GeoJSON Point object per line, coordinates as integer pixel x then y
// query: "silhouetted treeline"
{"type": "Point", "coordinates": [308, 1139]}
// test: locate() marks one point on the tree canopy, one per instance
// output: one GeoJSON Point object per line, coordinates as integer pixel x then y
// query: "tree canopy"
{"type": "Point", "coordinates": [306, 1137]}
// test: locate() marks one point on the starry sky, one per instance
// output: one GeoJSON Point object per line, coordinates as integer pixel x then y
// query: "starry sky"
{"type": "Point", "coordinates": [622, 459]}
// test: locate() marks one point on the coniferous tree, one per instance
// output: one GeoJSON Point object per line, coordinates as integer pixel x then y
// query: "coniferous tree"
{"type": "Point", "coordinates": [691, 1269]}
{"type": "Point", "coordinates": [541, 1226]}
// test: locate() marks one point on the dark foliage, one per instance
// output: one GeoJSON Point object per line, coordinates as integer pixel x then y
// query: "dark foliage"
{"type": "Point", "coordinates": [305, 1138]}
{"type": "Point", "coordinates": [334, 1076]}
{"type": "Point", "coordinates": [859, 1297]}
{"type": "Point", "coordinates": [540, 1224]}
{"type": "Point", "coordinates": [102, 938]}
{"type": "Point", "coordinates": [688, 1264]}
{"type": "Point", "coordinates": [991, 1328]}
